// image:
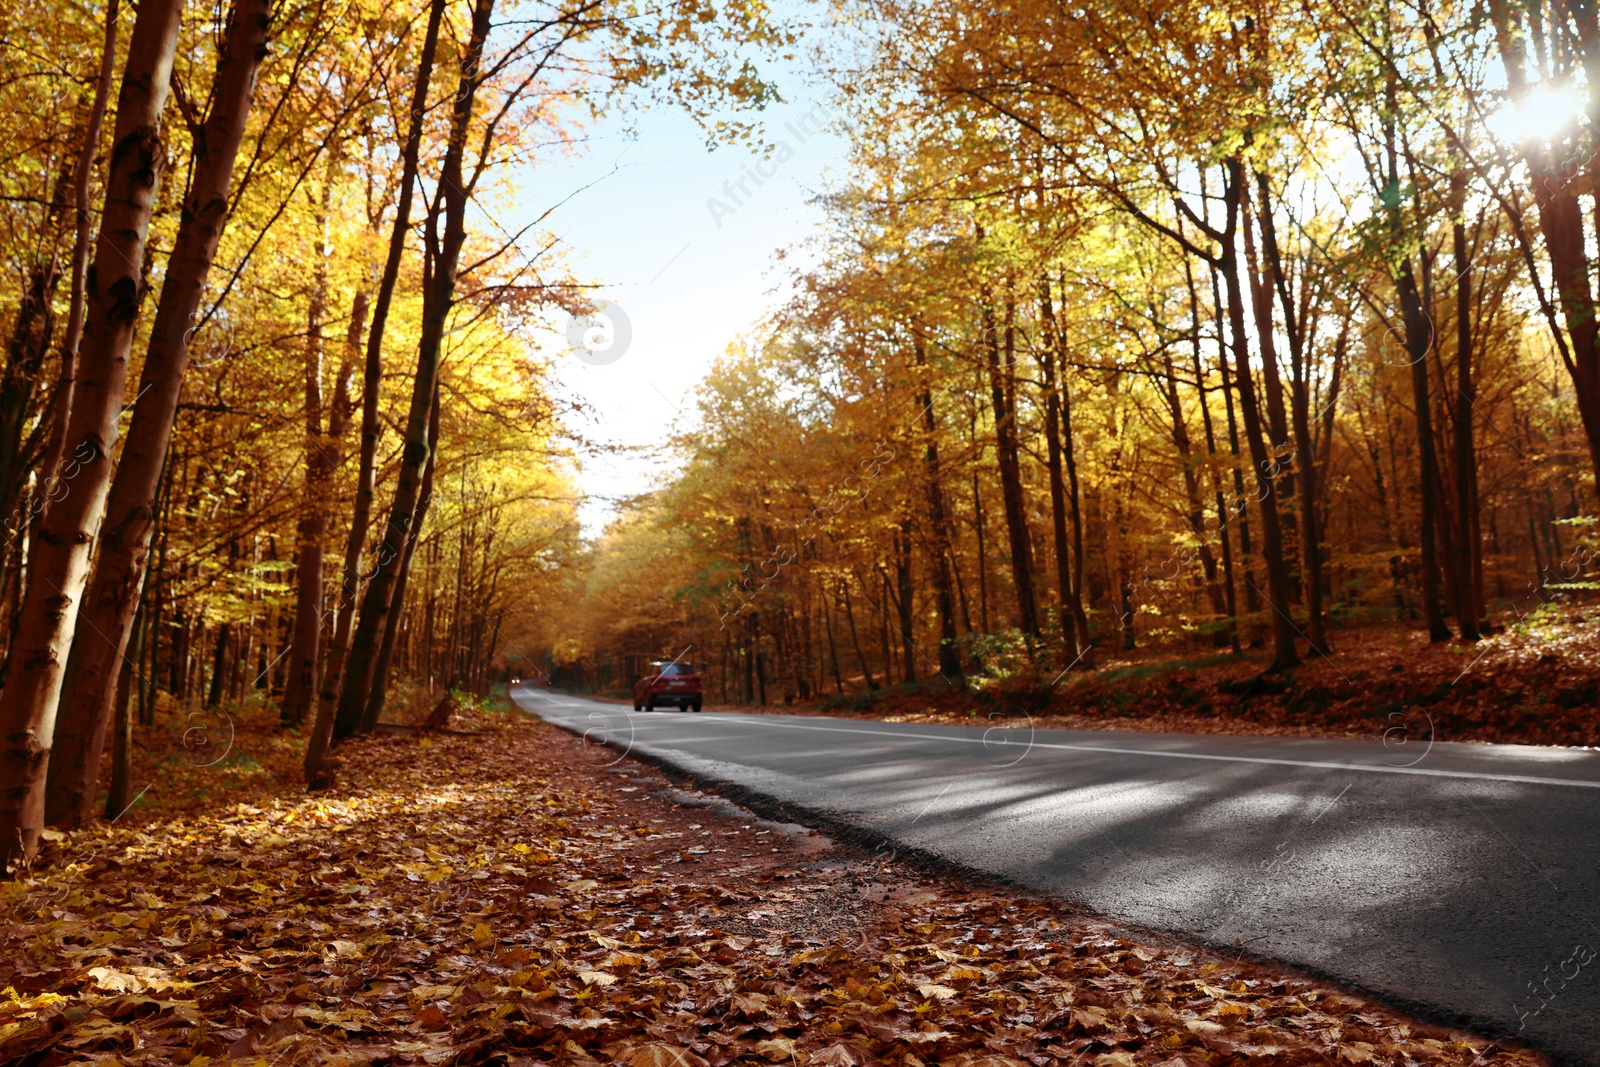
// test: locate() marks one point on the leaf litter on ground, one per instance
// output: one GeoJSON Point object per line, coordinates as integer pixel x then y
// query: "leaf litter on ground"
{"type": "Point", "coordinates": [1536, 684]}
{"type": "Point", "coordinates": [523, 897]}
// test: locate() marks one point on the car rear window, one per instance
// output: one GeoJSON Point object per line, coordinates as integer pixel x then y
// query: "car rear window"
{"type": "Point", "coordinates": [670, 669]}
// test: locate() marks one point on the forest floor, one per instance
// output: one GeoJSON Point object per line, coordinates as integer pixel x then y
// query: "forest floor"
{"type": "Point", "coordinates": [516, 896]}
{"type": "Point", "coordinates": [1535, 683]}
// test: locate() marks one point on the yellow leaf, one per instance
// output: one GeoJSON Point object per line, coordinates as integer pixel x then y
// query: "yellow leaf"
{"type": "Point", "coordinates": [840, 1055]}
{"type": "Point", "coordinates": [1090, 1017]}
{"type": "Point", "coordinates": [776, 1048]}
{"type": "Point", "coordinates": [581, 885]}
{"type": "Point", "coordinates": [344, 949]}
{"type": "Point", "coordinates": [599, 978]}
{"type": "Point", "coordinates": [1357, 1052]}
{"type": "Point", "coordinates": [438, 874]}
{"type": "Point", "coordinates": [933, 990]}
{"type": "Point", "coordinates": [1114, 1059]}
{"type": "Point", "coordinates": [656, 1054]}
{"type": "Point", "coordinates": [482, 932]}
{"type": "Point", "coordinates": [114, 981]}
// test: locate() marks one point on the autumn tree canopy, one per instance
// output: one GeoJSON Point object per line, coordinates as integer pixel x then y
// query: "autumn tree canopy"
{"type": "Point", "coordinates": [1198, 325]}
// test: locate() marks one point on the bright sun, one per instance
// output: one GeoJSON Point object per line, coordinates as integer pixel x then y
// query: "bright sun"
{"type": "Point", "coordinates": [1544, 114]}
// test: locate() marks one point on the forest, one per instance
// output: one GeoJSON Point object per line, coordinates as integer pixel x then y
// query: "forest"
{"type": "Point", "coordinates": [1146, 326]}
{"type": "Point", "coordinates": [1175, 371]}
{"type": "Point", "coordinates": [274, 422]}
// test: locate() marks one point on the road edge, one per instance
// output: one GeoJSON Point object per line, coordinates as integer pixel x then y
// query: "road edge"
{"type": "Point", "coordinates": [768, 806]}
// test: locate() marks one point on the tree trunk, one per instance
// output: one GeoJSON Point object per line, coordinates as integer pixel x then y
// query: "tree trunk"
{"type": "Point", "coordinates": [121, 744]}
{"type": "Point", "coordinates": [438, 299]}
{"type": "Point", "coordinates": [334, 670]}
{"type": "Point", "coordinates": [1069, 455]}
{"type": "Point", "coordinates": [1222, 600]}
{"type": "Point", "coordinates": [380, 687]}
{"type": "Point", "coordinates": [902, 573]}
{"type": "Point", "coordinates": [1072, 640]}
{"type": "Point", "coordinates": [1191, 489]}
{"type": "Point", "coordinates": [1468, 546]}
{"type": "Point", "coordinates": [939, 524]}
{"type": "Point", "coordinates": [82, 179]}
{"type": "Point", "coordinates": [130, 511]}
{"type": "Point", "coordinates": [1418, 340]}
{"type": "Point", "coordinates": [323, 453]}
{"type": "Point", "coordinates": [983, 554]}
{"type": "Point", "coordinates": [1300, 406]}
{"type": "Point", "coordinates": [855, 639]}
{"type": "Point", "coordinates": [219, 663]}
{"type": "Point", "coordinates": [31, 331]}
{"type": "Point", "coordinates": [58, 567]}
{"type": "Point", "coordinates": [1006, 453]}
{"type": "Point", "coordinates": [1284, 654]}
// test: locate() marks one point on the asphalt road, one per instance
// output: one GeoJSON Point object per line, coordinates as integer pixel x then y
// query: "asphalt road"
{"type": "Point", "coordinates": [1457, 879]}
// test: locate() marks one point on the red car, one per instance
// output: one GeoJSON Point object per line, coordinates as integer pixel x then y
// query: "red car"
{"type": "Point", "coordinates": [671, 684]}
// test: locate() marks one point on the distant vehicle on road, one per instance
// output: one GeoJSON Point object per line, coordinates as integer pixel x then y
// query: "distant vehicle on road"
{"type": "Point", "coordinates": [669, 685]}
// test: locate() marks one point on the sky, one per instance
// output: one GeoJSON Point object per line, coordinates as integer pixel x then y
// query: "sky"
{"type": "Point", "coordinates": [687, 276]}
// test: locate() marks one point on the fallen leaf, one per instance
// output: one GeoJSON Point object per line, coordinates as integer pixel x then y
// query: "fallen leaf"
{"type": "Point", "coordinates": [656, 1054]}
{"type": "Point", "coordinates": [1119, 1058]}
{"type": "Point", "coordinates": [842, 1054]}
{"type": "Point", "coordinates": [779, 1048]}
{"type": "Point", "coordinates": [1090, 1017]}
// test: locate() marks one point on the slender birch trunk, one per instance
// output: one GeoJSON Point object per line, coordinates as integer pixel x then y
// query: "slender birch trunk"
{"type": "Point", "coordinates": [59, 565]}
{"type": "Point", "coordinates": [82, 179]}
{"type": "Point", "coordinates": [109, 608]}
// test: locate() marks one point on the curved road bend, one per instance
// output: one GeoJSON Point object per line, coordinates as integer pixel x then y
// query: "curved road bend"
{"type": "Point", "coordinates": [1458, 879]}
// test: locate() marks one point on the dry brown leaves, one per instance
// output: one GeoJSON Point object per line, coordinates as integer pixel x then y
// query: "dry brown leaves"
{"type": "Point", "coordinates": [509, 899]}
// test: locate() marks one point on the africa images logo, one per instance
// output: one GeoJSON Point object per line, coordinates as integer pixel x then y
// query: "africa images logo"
{"type": "Point", "coordinates": [601, 336]}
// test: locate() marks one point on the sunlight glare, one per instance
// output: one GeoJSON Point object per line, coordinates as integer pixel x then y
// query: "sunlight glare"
{"type": "Point", "coordinates": [1543, 115]}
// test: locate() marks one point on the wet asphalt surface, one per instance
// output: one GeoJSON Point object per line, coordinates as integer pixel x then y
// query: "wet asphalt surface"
{"type": "Point", "coordinates": [1460, 881]}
